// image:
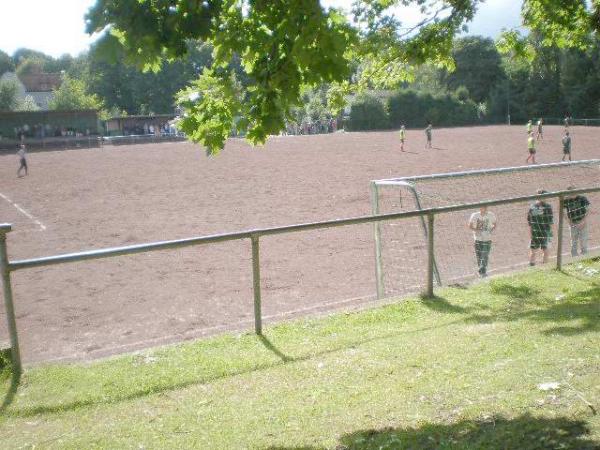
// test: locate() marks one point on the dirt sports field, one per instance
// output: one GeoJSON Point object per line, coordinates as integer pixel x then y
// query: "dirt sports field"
{"type": "Point", "coordinates": [89, 199]}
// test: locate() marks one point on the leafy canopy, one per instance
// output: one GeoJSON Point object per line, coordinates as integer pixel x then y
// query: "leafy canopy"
{"type": "Point", "coordinates": [285, 45]}
{"type": "Point", "coordinates": [6, 63]}
{"type": "Point", "coordinates": [72, 95]}
{"type": "Point", "coordinates": [9, 95]}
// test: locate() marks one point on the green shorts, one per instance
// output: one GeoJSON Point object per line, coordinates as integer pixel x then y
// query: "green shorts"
{"type": "Point", "coordinates": [539, 241]}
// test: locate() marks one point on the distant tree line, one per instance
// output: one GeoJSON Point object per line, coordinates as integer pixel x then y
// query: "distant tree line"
{"type": "Point", "coordinates": [484, 87]}
{"type": "Point", "coordinates": [115, 89]}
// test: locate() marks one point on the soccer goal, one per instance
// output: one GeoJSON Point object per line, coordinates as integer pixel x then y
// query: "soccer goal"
{"type": "Point", "coordinates": [401, 246]}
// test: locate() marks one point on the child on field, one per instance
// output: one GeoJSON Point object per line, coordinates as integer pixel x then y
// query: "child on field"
{"type": "Point", "coordinates": [428, 132]}
{"type": "Point", "coordinates": [402, 136]}
{"type": "Point", "coordinates": [566, 142]}
{"type": "Point", "coordinates": [22, 160]}
{"type": "Point", "coordinates": [531, 148]}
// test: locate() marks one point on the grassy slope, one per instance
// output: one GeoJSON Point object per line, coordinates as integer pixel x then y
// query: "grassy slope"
{"type": "Point", "coordinates": [459, 371]}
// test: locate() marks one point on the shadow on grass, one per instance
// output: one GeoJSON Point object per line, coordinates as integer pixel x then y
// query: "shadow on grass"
{"type": "Point", "coordinates": [129, 378]}
{"type": "Point", "coordinates": [521, 292]}
{"type": "Point", "coordinates": [580, 305]}
{"type": "Point", "coordinates": [585, 279]}
{"type": "Point", "coordinates": [269, 345]}
{"type": "Point", "coordinates": [440, 304]}
{"type": "Point", "coordinates": [523, 433]}
{"type": "Point", "coordinates": [581, 308]}
{"type": "Point", "coordinates": [6, 372]}
{"type": "Point", "coordinates": [15, 380]}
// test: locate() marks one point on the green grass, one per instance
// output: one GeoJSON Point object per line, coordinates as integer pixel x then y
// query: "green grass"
{"type": "Point", "coordinates": [458, 371]}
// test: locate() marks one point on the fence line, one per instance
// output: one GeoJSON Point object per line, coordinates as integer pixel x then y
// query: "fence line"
{"type": "Point", "coordinates": [6, 266]}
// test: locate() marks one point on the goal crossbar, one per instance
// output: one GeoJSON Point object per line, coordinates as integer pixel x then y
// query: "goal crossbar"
{"type": "Point", "coordinates": [467, 173]}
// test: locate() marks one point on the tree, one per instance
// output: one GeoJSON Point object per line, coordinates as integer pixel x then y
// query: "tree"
{"type": "Point", "coordinates": [9, 91]}
{"type": "Point", "coordinates": [72, 95]}
{"type": "Point", "coordinates": [28, 104]}
{"type": "Point", "coordinates": [22, 54]}
{"type": "Point", "coordinates": [125, 87]}
{"type": "Point", "coordinates": [277, 43]}
{"type": "Point", "coordinates": [6, 63]}
{"type": "Point", "coordinates": [30, 65]}
{"type": "Point", "coordinates": [286, 44]}
{"type": "Point", "coordinates": [478, 67]}
{"type": "Point", "coordinates": [63, 63]}
{"type": "Point", "coordinates": [368, 112]}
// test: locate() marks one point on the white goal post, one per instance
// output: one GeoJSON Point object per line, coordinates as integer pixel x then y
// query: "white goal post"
{"type": "Point", "coordinates": [401, 246]}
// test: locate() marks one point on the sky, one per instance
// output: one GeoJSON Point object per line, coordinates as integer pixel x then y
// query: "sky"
{"type": "Point", "coordinates": [56, 27]}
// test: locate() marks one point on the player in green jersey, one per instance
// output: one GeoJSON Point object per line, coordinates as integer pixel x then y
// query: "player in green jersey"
{"type": "Point", "coordinates": [402, 136]}
{"type": "Point", "coordinates": [531, 148]}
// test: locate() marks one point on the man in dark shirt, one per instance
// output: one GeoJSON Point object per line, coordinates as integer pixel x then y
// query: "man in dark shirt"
{"type": "Point", "coordinates": [578, 208]}
{"type": "Point", "coordinates": [540, 219]}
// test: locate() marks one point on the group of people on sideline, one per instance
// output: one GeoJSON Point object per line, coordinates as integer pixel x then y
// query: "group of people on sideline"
{"type": "Point", "coordinates": [540, 219]}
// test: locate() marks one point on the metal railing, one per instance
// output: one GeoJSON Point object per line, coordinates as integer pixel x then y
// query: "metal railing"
{"type": "Point", "coordinates": [6, 266]}
{"type": "Point", "coordinates": [141, 139]}
{"type": "Point", "coordinates": [52, 143]}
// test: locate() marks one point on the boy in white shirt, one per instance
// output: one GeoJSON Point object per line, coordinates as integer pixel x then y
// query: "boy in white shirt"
{"type": "Point", "coordinates": [483, 223]}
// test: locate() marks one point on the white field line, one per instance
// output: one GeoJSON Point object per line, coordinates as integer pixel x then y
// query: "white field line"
{"type": "Point", "coordinates": [24, 212]}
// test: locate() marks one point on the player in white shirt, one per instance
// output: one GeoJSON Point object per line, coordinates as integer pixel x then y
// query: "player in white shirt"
{"type": "Point", "coordinates": [483, 223]}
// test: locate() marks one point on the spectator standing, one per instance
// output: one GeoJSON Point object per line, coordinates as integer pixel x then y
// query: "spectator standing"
{"type": "Point", "coordinates": [578, 208]}
{"type": "Point", "coordinates": [483, 223]}
{"type": "Point", "coordinates": [540, 219]}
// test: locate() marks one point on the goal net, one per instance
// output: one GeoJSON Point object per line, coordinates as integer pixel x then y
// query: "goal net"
{"type": "Point", "coordinates": [401, 245]}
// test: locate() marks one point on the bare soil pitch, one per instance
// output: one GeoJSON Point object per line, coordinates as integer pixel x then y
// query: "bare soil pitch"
{"type": "Point", "coordinates": [90, 199]}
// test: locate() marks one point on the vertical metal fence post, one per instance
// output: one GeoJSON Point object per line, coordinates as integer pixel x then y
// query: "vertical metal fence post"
{"type": "Point", "coordinates": [430, 255]}
{"type": "Point", "coordinates": [256, 283]}
{"type": "Point", "coordinates": [559, 243]}
{"type": "Point", "coordinates": [377, 231]}
{"type": "Point", "coordinates": [8, 301]}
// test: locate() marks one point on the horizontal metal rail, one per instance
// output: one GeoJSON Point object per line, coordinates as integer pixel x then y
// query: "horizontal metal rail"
{"type": "Point", "coordinates": [487, 172]}
{"type": "Point", "coordinates": [6, 267]}
{"type": "Point", "coordinates": [164, 245]}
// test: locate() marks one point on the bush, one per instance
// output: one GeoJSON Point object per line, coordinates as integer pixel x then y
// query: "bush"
{"type": "Point", "coordinates": [368, 112]}
{"type": "Point", "coordinates": [414, 109]}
